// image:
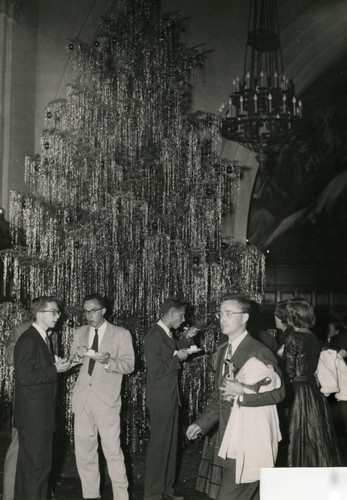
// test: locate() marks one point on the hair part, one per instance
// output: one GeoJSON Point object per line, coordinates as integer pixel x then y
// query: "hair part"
{"type": "Point", "coordinates": [95, 296]}
{"type": "Point", "coordinates": [300, 313]}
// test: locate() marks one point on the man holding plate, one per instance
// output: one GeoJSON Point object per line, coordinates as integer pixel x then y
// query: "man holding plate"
{"type": "Point", "coordinates": [106, 353]}
{"type": "Point", "coordinates": [164, 356]}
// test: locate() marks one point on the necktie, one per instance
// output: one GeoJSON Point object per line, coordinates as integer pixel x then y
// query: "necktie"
{"type": "Point", "coordinates": [95, 348]}
{"type": "Point", "coordinates": [49, 345]}
{"type": "Point", "coordinates": [229, 353]}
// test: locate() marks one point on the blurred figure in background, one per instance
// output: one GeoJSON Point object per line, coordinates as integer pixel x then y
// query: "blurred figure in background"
{"type": "Point", "coordinates": [336, 335]}
{"type": "Point", "coordinates": [332, 374]}
{"type": "Point", "coordinates": [312, 440]}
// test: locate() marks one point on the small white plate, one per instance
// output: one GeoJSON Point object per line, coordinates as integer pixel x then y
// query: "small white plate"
{"type": "Point", "coordinates": [193, 351]}
{"type": "Point", "coordinates": [97, 355]}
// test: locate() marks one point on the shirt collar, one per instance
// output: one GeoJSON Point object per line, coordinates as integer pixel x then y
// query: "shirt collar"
{"type": "Point", "coordinates": [101, 328]}
{"type": "Point", "coordinates": [235, 343]}
{"type": "Point", "coordinates": [40, 330]}
{"type": "Point", "coordinates": [165, 328]}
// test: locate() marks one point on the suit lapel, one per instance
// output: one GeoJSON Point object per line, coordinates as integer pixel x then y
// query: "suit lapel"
{"type": "Point", "coordinates": [43, 346]}
{"type": "Point", "coordinates": [171, 343]}
{"type": "Point", "coordinates": [240, 356]}
{"type": "Point", "coordinates": [106, 343]}
{"type": "Point", "coordinates": [220, 360]}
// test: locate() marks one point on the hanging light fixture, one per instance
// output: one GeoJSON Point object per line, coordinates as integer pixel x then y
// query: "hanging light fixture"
{"type": "Point", "coordinates": [262, 108]}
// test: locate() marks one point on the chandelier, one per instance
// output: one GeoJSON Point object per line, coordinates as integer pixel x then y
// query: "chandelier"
{"type": "Point", "coordinates": [262, 108]}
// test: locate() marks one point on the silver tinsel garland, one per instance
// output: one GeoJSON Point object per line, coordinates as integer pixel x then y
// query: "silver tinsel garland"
{"type": "Point", "coordinates": [127, 198]}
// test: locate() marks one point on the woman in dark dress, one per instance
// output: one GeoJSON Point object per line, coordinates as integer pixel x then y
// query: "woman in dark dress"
{"type": "Point", "coordinates": [312, 440]}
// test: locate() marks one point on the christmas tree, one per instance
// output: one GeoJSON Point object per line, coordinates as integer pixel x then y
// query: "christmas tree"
{"type": "Point", "coordinates": [127, 198]}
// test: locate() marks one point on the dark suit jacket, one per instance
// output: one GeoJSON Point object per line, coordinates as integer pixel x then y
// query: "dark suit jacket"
{"type": "Point", "coordinates": [219, 410]}
{"type": "Point", "coordinates": [35, 383]}
{"type": "Point", "coordinates": [162, 369]}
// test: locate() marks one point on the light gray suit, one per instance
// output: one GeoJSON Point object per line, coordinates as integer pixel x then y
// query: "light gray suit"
{"type": "Point", "coordinates": [96, 403]}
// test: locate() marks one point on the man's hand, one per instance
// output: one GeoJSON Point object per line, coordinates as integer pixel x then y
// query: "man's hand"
{"type": "Point", "coordinates": [191, 332]}
{"type": "Point", "coordinates": [102, 358]}
{"type": "Point", "coordinates": [81, 350]}
{"type": "Point", "coordinates": [182, 354]}
{"type": "Point", "coordinates": [62, 365]}
{"type": "Point", "coordinates": [193, 431]}
{"type": "Point", "coordinates": [231, 388]}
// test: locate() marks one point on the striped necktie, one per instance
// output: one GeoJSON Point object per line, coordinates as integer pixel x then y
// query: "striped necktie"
{"type": "Point", "coordinates": [227, 358]}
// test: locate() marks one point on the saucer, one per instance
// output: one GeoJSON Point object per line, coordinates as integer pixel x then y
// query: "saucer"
{"type": "Point", "coordinates": [193, 351]}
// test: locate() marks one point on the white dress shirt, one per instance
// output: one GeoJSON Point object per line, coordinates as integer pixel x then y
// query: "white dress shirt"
{"type": "Point", "coordinates": [101, 332]}
{"type": "Point", "coordinates": [165, 328]}
{"type": "Point", "coordinates": [41, 331]}
{"type": "Point", "coordinates": [235, 343]}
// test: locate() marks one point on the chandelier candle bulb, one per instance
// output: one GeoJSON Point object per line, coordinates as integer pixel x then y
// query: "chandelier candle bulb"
{"type": "Point", "coordinates": [270, 102]}
{"type": "Point", "coordinates": [285, 82]}
{"type": "Point", "coordinates": [248, 80]}
{"type": "Point", "coordinates": [262, 78]}
{"type": "Point", "coordinates": [255, 98]}
{"type": "Point", "coordinates": [241, 105]}
{"type": "Point", "coordinates": [300, 109]}
{"type": "Point", "coordinates": [234, 85]}
{"type": "Point", "coordinates": [276, 79]}
{"type": "Point", "coordinates": [284, 98]}
{"type": "Point", "coordinates": [230, 106]}
{"type": "Point", "coordinates": [237, 84]}
{"type": "Point", "coordinates": [294, 105]}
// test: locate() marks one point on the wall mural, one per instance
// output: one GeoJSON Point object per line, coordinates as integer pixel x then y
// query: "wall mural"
{"type": "Point", "coordinates": [298, 207]}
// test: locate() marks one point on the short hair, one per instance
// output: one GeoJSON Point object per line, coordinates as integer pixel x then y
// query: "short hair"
{"type": "Point", "coordinates": [281, 311]}
{"type": "Point", "coordinates": [172, 303]}
{"type": "Point", "coordinates": [95, 296]}
{"type": "Point", "coordinates": [300, 313]}
{"type": "Point", "coordinates": [338, 325]}
{"type": "Point", "coordinates": [40, 303]}
{"type": "Point", "coordinates": [243, 301]}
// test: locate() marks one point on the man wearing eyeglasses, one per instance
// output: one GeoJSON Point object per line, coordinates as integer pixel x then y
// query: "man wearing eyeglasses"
{"type": "Point", "coordinates": [10, 463]}
{"type": "Point", "coordinates": [231, 356]}
{"type": "Point", "coordinates": [35, 371]}
{"type": "Point", "coordinates": [106, 353]}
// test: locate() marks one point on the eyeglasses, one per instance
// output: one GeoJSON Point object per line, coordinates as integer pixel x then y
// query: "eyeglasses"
{"type": "Point", "coordinates": [228, 314]}
{"type": "Point", "coordinates": [92, 311]}
{"type": "Point", "coordinates": [52, 311]}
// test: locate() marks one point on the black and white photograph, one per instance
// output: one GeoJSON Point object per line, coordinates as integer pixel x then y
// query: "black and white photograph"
{"type": "Point", "coordinates": [173, 272]}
